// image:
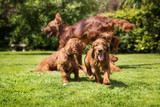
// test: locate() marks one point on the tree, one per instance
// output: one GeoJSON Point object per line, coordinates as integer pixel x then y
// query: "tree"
{"type": "Point", "coordinates": [33, 15]}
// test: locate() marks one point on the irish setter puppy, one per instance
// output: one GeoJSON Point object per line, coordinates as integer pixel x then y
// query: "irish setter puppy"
{"type": "Point", "coordinates": [87, 30]}
{"type": "Point", "coordinates": [97, 59]}
{"type": "Point", "coordinates": [64, 60]}
{"type": "Point", "coordinates": [113, 67]}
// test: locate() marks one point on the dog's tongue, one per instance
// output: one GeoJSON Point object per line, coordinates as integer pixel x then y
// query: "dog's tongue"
{"type": "Point", "coordinates": [101, 57]}
{"type": "Point", "coordinates": [49, 35]}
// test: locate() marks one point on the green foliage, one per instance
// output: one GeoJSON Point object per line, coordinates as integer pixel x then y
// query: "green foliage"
{"type": "Point", "coordinates": [137, 85]}
{"type": "Point", "coordinates": [145, 37]}
{"type": "Point", "coordinates": [33, 15]}
{"type": "Point", "coordinates": [30, 16]}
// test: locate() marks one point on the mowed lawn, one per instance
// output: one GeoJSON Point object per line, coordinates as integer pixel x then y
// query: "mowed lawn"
{"type": "Point", "coordinates": [137, 85]}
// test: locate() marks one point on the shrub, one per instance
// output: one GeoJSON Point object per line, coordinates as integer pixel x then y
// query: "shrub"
{"type": "Point", "coordinates": [145, 37]}
{"type": "Point", "coordinates": [33, 15]}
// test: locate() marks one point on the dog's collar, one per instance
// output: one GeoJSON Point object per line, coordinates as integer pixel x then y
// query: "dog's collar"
{"type": "Point", "coordinates": [67, 53]}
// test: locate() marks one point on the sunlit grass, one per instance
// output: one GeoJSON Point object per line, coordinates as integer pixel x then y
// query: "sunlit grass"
{"type": "Point", "coordinates": [137, 85]}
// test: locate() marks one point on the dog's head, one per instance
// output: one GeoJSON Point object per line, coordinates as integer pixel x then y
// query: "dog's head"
{"type": "Point", "coordinates": [100, 49]}
{"type": "Point", "coordinates": [75, 46]}
{"type": "Point", "coordinates": [53, 27]}
{"type": "Point", "coordinates": [113, 58]}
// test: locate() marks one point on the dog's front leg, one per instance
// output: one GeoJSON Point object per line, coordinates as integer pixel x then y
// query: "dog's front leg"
{"type": "Point", "coordinates": [64, 76]}
{"type": "Point", "coordinates": [98, 77]}
{"type": "Point", "coordinates": [106, 76]}
{"type": "Point", "coordinates": [79, 58]}
{"type": "Point", "coordinates": [76, 74]}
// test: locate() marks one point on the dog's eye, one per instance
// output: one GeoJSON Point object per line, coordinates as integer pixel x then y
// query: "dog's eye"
{"type": "Point", "coordinates": [104, 45]}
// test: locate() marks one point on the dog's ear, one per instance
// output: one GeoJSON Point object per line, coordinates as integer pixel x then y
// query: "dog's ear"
{"type": "Point", "coordinates": [58, 18]}
{"type": "Point", "coordinates": [93, 54]}
{"type": "Point", "coordinates": [116, 58]}
{"type": "Point", "coordinates": [80, 46]}
{"type": "Point", "coordinates": [113, 58]}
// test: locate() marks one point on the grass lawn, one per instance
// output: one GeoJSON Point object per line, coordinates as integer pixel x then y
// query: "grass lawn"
{"type": "Point", "coordinates": [137, 85]}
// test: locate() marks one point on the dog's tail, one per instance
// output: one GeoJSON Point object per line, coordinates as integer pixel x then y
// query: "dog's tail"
{"type": "Point", "coordinates": [124, 24]}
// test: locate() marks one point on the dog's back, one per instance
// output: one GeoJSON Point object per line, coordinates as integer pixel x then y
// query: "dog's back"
{"type": "Point", "coordinates": [48, 64]}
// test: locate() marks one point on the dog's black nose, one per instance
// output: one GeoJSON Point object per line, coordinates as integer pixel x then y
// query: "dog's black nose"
{"type": "Point", "coordinates": [99, 50]}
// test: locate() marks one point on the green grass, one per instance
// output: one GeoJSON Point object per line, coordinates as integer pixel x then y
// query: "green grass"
{"type": "Point", "coordinates": [137, 85]}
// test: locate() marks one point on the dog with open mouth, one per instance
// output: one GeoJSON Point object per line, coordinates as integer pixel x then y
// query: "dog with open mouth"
{"type": "Point", "coordinates": [87, 30]}
{"type": "Point", "coordinates": [97, 61]}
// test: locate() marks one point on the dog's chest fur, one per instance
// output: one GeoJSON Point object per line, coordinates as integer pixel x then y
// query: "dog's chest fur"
{"type": "Point", "coordinates": [99, 63]}
{"type": "Point", "coordinates": [68, 63]}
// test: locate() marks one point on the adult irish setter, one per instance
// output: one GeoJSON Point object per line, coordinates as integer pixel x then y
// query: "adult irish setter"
{"type": "Point", "coordinates": [87, 30]}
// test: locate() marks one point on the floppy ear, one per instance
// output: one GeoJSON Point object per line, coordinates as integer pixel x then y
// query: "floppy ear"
{"type": "Point", "coordinates": [80, 46]}
{"type": "Point", "coordinates": [58, 18]}
{"type": "Point", "coordinates": [115, 58]}
{"type": "Point", "coordinates": [83, 45]}
{"type": "Point", "coordinates": [93, 50]}
{"type": "Point", "coordinates": [93, 53]}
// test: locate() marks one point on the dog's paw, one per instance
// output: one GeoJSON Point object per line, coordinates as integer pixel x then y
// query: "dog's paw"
{"type": "Point", "coordinates": [106, 82]}
{"type": "Point", "coordinates": [90, 77]}
{"type": "Point", "coordinates": [64, 84]}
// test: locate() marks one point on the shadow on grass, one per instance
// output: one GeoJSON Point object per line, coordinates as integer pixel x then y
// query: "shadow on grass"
{"type": "Point", "coordinates": [83, 79]}
{"type": "Point", "coordinates": [115, 83]}
{"type": "Point", "coordinates": [146, 66]}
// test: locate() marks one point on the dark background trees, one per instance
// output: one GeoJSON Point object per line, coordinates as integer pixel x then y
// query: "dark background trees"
{"type": "Point", "coordinates": [21, 21]}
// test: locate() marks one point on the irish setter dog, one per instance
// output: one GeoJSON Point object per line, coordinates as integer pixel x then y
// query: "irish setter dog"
{"type": "Point", "coordinates": [64, 60]}
{"type": "Point", "coordinates": [97, 61]}
{"type": "Point", "coordinates": [87, 30]}
{"type": "Point", "coordinates": [113, 67]}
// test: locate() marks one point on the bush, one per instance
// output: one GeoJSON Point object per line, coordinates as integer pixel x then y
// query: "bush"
{"type": "Point", "coordinates": [145, 37]}
{"type": "Point", "coordinates": [33, 15]}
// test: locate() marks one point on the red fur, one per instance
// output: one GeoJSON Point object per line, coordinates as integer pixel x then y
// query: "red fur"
{"type": "Point", "coordinates": [87, 30]}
